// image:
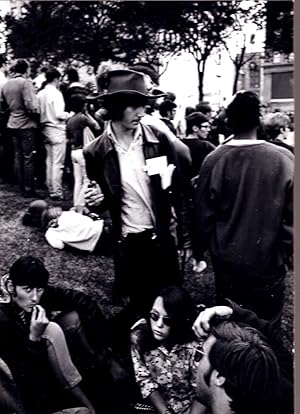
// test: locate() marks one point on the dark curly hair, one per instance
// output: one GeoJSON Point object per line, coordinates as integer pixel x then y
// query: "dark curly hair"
{"type": "Point", "coordinates": [243, 113]}
{"type": "Point", "coordinates": [243, 357]}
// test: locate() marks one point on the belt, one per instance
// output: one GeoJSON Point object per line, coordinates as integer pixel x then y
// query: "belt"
{"type": "Point", "coordinates": [148, 234]}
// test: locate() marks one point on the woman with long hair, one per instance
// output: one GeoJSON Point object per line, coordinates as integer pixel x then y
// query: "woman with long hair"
{"type": "Point", "coordinates": [164, 354]}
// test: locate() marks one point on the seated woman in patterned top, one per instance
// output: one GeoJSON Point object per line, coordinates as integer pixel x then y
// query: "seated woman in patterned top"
{"type": "Point", "coordinates": [164, 354]}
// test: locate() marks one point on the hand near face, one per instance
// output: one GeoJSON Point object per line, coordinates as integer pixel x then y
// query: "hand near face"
{"type": "Point", "coordinates": [93, 195]}
{"type": "Point", "coordinates": [38, 323]}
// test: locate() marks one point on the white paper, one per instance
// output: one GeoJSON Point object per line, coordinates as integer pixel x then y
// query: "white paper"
{"type": "Point", "coordinates": [156, 165]}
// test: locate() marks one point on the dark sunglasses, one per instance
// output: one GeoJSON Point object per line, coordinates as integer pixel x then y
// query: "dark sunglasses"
{"type": "Point", "coordinates": [166, 319]}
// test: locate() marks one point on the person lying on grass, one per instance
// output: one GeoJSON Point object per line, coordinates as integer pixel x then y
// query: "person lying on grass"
{"type": "Point", "coordinates": [83, 232]}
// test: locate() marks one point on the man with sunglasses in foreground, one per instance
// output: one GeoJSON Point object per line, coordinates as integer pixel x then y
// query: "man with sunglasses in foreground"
{"type": "Point", "coordinates": [238, 371]}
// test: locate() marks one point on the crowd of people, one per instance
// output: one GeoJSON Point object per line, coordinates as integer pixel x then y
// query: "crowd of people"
{"type": "Point", "coordinates": [160, 196]}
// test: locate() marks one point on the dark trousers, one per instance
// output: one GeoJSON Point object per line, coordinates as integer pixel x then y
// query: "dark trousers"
{"type": "Point", "coordinates": [24, 148]}
{"type": "Point", "coordinates": [6, 157]}
{"type": "Point", "coordinates": [144, 264]}
{"type": "Point", "coordinates": [105, 381]}
{"type": "Point", "coordinates": [263, 294]}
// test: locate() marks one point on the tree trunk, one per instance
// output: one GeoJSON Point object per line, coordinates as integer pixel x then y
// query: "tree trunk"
{"type": "Point", "coordinates": [236, 78]}
{"type": "Point", "coordinates": [200, 68]}
{"type": "Point", "coordinates": [238, 64]}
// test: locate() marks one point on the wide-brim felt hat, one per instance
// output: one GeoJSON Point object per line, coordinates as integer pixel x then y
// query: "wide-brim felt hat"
{"type": "Point", "coordinates": [127, 82]}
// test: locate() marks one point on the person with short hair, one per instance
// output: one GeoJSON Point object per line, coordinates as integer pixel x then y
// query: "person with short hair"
{"type": "Point", "coordinates": [244, 213]}
{"type": "Point", "coordinates": [276, 126]}
{"type": "Point", "coordinates": [163, 353]}
{"type": "Point", "coordinates": [134, 164]}
{"type": "Point", "coordinates": [197, 130]}
{"type": "Point", "coordinates": [53, 122]}
{"type": "Point", "coordinates": [33, 347]}
{"type": "Point", "coordinates": [73, 87]}
{"type": "Point", "coordinates": [80, 131]}
{"type": "Point", "coordinates": [238, 372]}
{"type": "Point", "coordinates": [167, 111]}
{"type": "Point", "coordinates": [19, 99]}
{"type": "Point", "coordinates": [205, 108]}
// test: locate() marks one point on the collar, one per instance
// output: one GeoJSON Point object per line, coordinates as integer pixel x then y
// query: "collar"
{"type": "Point", "coordinates": [110, 133]}
{"type": "Point", "coordinates": [107, 145]}
{"type": "Point", "coordinates": [19, 75]}
{"type": "Point", "coordinates": [242, 142]}
{"type": "Point", "coordinates": [75, 84]}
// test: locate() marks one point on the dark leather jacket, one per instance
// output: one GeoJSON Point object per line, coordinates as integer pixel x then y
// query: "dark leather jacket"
{"type": "Point", "coordinates": [102, 166]}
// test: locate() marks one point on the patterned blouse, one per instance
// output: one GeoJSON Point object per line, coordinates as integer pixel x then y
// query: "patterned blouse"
{"type": "Point", "coordinates": [172, 373]}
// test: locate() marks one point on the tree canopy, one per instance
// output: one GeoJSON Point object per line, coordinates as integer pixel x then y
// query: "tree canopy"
{"type": "Point", "coordinates": [280, 30]}
{"type": "Point", "coordinates": [126, 31]}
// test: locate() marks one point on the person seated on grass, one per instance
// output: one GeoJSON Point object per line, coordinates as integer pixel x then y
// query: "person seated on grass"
{"type": "Point", "coordinates": [34, 348]}
{"type": "Point", "coordinates": [10, 400]}
{"type": "Point", "coordinates": [69, 228]}
{"type": "Point", "coordinates": [163, 354]}
{"type": "Point", "coordinates": [79, 322]}
{"type": "Point", "coordinates": [243, 368]}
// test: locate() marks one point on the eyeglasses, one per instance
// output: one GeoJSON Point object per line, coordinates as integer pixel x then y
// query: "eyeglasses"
{"type": "Point", "coordinates": [199, 353]}
{"type": "Point", "coordinates": [205, 126]}
{"type": "Point", "coordinates": [166, 319]}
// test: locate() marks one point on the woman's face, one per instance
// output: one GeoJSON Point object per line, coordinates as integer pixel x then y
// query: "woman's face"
{"type": "Point", "coordinates": [160, 320]}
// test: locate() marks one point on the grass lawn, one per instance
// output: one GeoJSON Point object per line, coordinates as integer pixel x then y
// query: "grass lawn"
{"type": "Point", "coordinates": [89, 272]}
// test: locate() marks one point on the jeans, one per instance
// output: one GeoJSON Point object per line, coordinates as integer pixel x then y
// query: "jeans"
{"type": "Point", "coordinates": [80, 178]}
{"type": "Point", "coordinates": [24, 148]}
{"type": "Point", "coordinates": [59, 357]}
{"type": "Point", "coordinates": [55, 144]}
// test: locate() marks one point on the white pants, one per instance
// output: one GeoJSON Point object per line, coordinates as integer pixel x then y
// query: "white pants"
{"type": "Point", "coordinates": [55, 144]}
{"type": "Point", "coordinates": [80, 178]}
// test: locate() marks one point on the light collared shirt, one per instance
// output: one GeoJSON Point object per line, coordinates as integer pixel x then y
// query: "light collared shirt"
{"type": "Point", "coordinates": [52, 108]}
{"type": "Point", "coordinates": [136, 212]}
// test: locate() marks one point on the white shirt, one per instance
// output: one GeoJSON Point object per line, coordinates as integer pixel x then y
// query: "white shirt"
{"type": "Point", "coordinates": [75, 230]}
{"type": "Point", "coordinates": [136, 212]}
{"type": "Point", "coordinates": [52, 108]}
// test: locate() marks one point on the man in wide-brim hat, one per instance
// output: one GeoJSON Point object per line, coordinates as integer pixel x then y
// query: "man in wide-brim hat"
{"type": "Point", "coordinates": [133, 165]}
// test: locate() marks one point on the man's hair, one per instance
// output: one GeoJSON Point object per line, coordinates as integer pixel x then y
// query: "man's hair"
{"type": "Point", "coordinates": [116, 105]}
{"type": "Point", "coordinates": [72, 75]}
{"type": "Point", "coordinates": [195, 119]}
{"type": "Point", "coordinates": [243, 112]}
{"type": "Point", "coordinates": [29, 271]}
{"type": "Point", "coordinates": [52, 74]}
{"type": "Point", "coordinates": [273, 122]}
{"type": "Point", "coordinates": [248, 364]}
{"type": "Point", "coordinates": [165, 107]}
{"type": "Point", "coordinates": [170, 96]}
{"type": "Point", "coordinates": [77, 102]}
{"type": "Point", "coordinates": [203, 107]}
{"type": "Point", "coordinates": [21, 66]}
